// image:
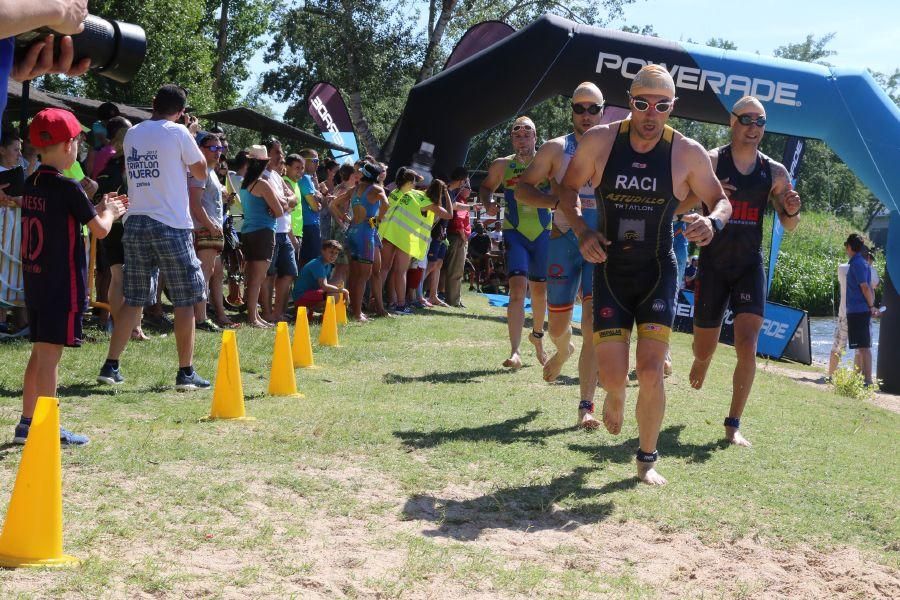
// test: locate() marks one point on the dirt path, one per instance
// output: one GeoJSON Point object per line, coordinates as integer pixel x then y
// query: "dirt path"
{"type": "Point", "coordinates": [817, 379]}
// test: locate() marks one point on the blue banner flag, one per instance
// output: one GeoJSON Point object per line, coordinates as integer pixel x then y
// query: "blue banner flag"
{"type": "Point", "coordinates": [793, 154]}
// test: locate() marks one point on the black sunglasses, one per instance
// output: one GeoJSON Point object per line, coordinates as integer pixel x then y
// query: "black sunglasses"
{"type": "Point", "coordinates": [747, 120]}
{"type": "Point", "coordinates": [593, 109]}
{"type": "Point", "coordinates": [663, 106]}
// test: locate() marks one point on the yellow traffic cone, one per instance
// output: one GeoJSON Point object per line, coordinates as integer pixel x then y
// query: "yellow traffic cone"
{"type": "Point", "coordinates": [228, 395]}
{"type": "Point", "coordinates": [341, 310]}
{"type": "Point", "coordinates": [329, 334]}
{"type": "Point", "coordinates": [281, 379]}
{"type": "Point", "coordinates": [32, 533]}
{"type": "Point", "coordinates": [302, 350]}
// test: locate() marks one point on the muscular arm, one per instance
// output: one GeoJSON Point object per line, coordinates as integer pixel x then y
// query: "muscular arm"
{"type": "Point", "coordinates": [702, 182]}
{"type": "Point", "coordinates": [582, 168]}
{"type": "Point", "coordinates": [784, 198]}
{"type": "Point", "coordinates": [541, 169]}
{"type": "Point", "coordinates": [490, 184]}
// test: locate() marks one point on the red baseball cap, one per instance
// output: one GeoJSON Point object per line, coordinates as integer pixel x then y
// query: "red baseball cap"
{"type": "Point", "coordinates": [53, 126]}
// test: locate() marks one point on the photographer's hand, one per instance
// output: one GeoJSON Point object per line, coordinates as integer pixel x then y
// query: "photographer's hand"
{"type": "Point", "coordinates": [39, 60]}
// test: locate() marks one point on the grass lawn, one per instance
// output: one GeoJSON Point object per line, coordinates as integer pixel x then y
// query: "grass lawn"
{"type": "Point", "coordinates": [415, 466]}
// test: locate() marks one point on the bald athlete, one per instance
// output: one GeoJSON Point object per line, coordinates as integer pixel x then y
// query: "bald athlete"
{"type": "Point", "coordinates": [526, 233]}
{"type": "Point", "coordinates": [643, 170]}
{"type": "Point", "coordinates": [731, 268]}
{"type": "Point", "coordinates": [568, 273]}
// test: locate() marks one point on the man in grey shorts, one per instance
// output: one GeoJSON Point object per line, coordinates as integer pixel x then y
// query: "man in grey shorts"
{"type": "Point", "coordinates": [158, 232]}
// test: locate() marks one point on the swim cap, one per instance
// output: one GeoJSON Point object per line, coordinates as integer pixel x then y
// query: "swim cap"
{"type": "Point", "coordinates": [587, 91]}
{"type": "Point", "coordinates": [748, 101]}
{"type": "Point", "coordinates": [653, 79]}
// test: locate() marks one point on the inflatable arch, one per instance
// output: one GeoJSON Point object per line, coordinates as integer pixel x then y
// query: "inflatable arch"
{"type": "Point", "coordinates": [843, 107]}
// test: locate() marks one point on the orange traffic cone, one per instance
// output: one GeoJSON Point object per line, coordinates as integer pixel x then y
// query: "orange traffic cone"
{"type": "Point", "coordinates": [32, 533]}
{"type": "Point", "coordinates": [228, 395]}
{"type": "Point", "coordinates": [329, 334]}
{"type": "Point", "coordinates": [281, 379]}
{"type": "Point", "coordinates": [302, 350]}
{"type": "Point", "coordinates": [341, 310]}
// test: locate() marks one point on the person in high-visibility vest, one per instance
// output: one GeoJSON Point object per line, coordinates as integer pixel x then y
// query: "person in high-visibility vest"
{"type": "Point", "coordinates": [406, 233]}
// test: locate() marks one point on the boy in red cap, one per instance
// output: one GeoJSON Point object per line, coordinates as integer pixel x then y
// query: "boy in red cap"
{"type": "Point", "coordinates": [54, 208]}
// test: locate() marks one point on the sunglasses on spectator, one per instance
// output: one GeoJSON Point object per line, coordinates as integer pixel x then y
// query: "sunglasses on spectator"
{"type": "Point", "coordinates": [522, 127]}
{"type": "Point", "coordinates": [215, 148]}
{"type": "Point", "coordinates": [747, 120]}
{"type": "Point", "coordinates": [663, 106]}
{"type": "Point", "coordinates": [593, 109]}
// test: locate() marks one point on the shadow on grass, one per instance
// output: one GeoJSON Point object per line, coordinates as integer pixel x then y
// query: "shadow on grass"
{"type": "Point", "coordinates": [451, 377]}
{"type": "Point", "coordinates": [84, 390]}
{"type": "Point", "coordinates": [505, 432]}
{"type": "Point", "coordinates": [523, 508]}
{"type": "Point", "coordinates": [669, 445]}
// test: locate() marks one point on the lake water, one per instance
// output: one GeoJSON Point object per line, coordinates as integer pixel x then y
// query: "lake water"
{"type": "Point", "coordinates": [821, 332]}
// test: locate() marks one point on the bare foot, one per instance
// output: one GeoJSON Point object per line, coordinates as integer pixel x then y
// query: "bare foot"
{"type": "Point", "coordinates": [647, 473]}
{"type": "Point", "coordinates": [513, 362]}
{"type": "Point", "coordinates": [553, 367]}
{"type": "Point", "coordinates": [586, 420]}
{"type": "Point", "coordinates": [698, 372]}
{"type": "Point", "coordinates": [613, 414]}
{"type": "Point", "coordinates": [138, 334]}
{"type": "Point", "coordinates": [538, 343]}
{"type": "Point", "coordinates": [733, 435]}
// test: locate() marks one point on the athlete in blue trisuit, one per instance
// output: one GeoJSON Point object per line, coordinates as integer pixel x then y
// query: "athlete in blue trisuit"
{"type": "Point", "coordinates": [731, 271]}
{"type": "Point", "coordinates": [568, 274]}
{"type": "Point", "coordinates": [526, 233]}
{"type": "Point", "coordinates": [643, 171]}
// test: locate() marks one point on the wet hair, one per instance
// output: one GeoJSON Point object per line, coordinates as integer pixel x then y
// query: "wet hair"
{"type": "Point", "coordinates": [370, 172]}
{"type": "Point", "coordinates": [326, 244]}
{"type": "Point", "coordinates": [256, 168]}
{"type": "Point", "coordinates": [292, 158]}
{"type": "Point", "coordinates": [170, 99]}
{"type": "Point", "coordinates": [435, 191]}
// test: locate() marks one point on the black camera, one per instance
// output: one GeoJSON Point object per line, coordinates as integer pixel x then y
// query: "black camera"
{"type": "Point", "coordinates": [116, 49]}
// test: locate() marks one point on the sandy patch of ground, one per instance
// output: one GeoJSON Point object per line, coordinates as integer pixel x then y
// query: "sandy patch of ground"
{"type": "Point", "coordinates": [886, 401]}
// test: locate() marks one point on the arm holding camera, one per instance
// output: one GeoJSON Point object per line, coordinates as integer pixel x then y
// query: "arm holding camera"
{"type": "Point", "coordinates": [62, 16]}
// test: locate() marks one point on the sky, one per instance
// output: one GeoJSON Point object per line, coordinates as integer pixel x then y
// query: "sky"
{"type": "Point", "coordinates": [865, 38]}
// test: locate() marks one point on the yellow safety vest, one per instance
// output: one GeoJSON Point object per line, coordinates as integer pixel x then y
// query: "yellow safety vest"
{"type": "Point", "coordinates": [406, 227]}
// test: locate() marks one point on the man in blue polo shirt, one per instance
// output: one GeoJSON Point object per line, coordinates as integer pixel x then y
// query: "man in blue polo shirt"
{"type": "Point", "coordinates": [860, 304]}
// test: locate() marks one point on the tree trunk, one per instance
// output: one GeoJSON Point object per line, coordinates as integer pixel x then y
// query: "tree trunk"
{"type": "Point", "coordinates": [220, 45]}
{"type": "Point", "coordinates": [356, 112]}
{"type": "Point", "coordinates": [435, 37]}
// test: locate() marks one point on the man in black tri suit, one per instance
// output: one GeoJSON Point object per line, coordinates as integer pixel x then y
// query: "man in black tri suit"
{"type": "Point", "coordinates": [731, 267]}
{"type": "Point", "coordinates": [644, 170]}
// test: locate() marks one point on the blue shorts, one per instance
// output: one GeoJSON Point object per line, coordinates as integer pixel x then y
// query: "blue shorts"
{"type": "Point", "coordinates": [361, 241]}
{"type": "Point", "coordinates": [526, 257]}
{"type": "Point", "coordinates": [152, 248]}
{"type": "Point", "coordinates": [283, 263]}
{"type": "Point", "coordinates": [437, 250]}
{"type": "Point", "coordinates": [568, 273]}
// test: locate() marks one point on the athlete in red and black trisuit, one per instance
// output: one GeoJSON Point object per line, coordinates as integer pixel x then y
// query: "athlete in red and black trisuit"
{"type": "Point", "coordinates": [731, 269]}
{"type": "Point", "coordinates": [644, 170]}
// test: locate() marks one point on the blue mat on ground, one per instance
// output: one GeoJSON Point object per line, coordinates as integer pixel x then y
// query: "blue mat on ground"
{"type": "Point", "coordinates": [502, 301]}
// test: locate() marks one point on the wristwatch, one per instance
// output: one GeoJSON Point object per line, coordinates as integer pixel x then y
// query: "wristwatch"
{"type": "Point", "coordinates": [717, 224]}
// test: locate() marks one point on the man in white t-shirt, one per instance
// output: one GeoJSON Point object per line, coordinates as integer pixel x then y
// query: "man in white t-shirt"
{"type": "Point", "coordinates": [840, 326]}
{"type": "Point", "coordinates": [158, 239]}
{"type": "Point", "coordinates": [283, 268]}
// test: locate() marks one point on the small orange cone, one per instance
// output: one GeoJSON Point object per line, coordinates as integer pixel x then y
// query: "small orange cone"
{"type": "Point", "coordinates": [228, 395]}
{"type": "Point", "coordinates": [329, 334]}
{"type": "Point", "coordinates": [341, 310]}
{"type": "Point", "coordinates": [281, 379]}
{"type": "Point", "coordinates": [32, 533]}
{"type": "Point", "coordinates": [302, 350]}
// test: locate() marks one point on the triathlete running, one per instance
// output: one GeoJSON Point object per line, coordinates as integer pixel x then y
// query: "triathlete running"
{"type": "Point", "coordinates": [526, 236]}
{"type": "Point", "coordinates": [568, 272]}
{"type": "Point", "coordinates": [643, 170]}
{"type": "Point", "coordinates": [731, 270]}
